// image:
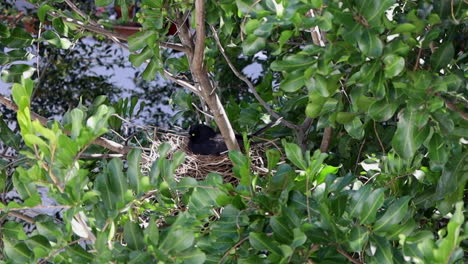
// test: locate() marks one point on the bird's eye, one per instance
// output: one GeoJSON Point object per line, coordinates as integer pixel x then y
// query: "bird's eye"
{"type": "Point", "coordinates": [193, 134]}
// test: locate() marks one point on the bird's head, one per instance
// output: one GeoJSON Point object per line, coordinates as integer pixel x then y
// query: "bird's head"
{"type": "Point", "coordinates": [201, 132]}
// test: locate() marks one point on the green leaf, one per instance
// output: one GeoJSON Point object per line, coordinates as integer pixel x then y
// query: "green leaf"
{"type": "Point", "coordinates": [345, 117]}
{"type": "Point", "coordinates": [261, 242]}
{"type": "Point", "coordinates": [103, 2]}
{"type": "Point", "coordinates": [117, 181]}
{"type": "Point", "coordinates": [319, 84]}
{"type": "Point", "coordinates": [53, 38]}
{"type": "Point", "coordinates": [293, 82]}
{"type": "Point", "coordinates": [408, 138]}
{"type": "Point", "coordinates": [273, 157]}
{"type": "Point", "coordinates": [4, 30]}
{"type": "Point", "coordinates": [442, 56]}
{"type": "Point", "coordinates": [17, 253]}
{"type": "Point", "coordinates": [194, 256]}
{"type": "Point", "coordinates": [134, 174]}
{"type": "Point", "coordinates": [252, 45]}
{"type": "Point", "coordinates": [394, 65]}
{"type": "Point", "coordinates": [394, 214]}
{"type": "Point", "coordinates": [384, 250]}
{"type": "Point", "coordinates": [299, 238]}
{"type": "Point", "coordinates": [355, 129]}
{"type": "Point", "coordinates": [7, 136]}
{"type": "Point", "coordinates": [50, 230]}
{"type": "Point", "coordinates": [42, 12]}
{"type": "Point", "coordinates": [292, 63]}
{"type": "Point", "coordinates": [371, 205]}
{"type": "Point", "coordinates": [18, 38]}
{"type": "Point", "coordinates": [370, 44]}
{"type": "Point", "coordinates": [357, 238]}
{"type": "Point", "coordinates": [264, 30]}
{"type": "Point", "coordinates": [251, 25]}
{"type": "Point", "coordinates": [133, 235]}
{"type": "Point", "coordinates": [14, 230]}
{"type": "Point", "coordinates": [14, 55]}
{"type": "Point", "coordinates": [438, 152]}
{"type": "Point", "coordinates": [177, 240]}
{"type": "Point", "coordinates": [17, 72]}
{"type": "Point", "coordinates": [77, 117]}
{"type": "Point", "coordinates": [152, 69]}
{"type": "Point", "coordinates": [382, 110]}
{"type": "Point", "coordinates": [140, 58]}
{"type": "Point", "coordinates": [140, 40]}
{"type": "Point", "coordinates": [294, 154]}
{"type": "Point", "coordinates": [373, 10]}
{"type": "Point", "coordinates": [451, 242]}
{"type": "Point", "coordinates": [405, 27]}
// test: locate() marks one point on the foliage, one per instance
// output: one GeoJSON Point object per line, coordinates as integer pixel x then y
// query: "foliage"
{"type": "Point", "coordinates": [389, 79]}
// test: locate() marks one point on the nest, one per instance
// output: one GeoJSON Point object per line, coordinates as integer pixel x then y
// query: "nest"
{"type": "Point", "coordinates": [198, 166]}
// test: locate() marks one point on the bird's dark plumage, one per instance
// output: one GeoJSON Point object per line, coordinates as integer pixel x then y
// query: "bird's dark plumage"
{"type": "Point", "coordinates": [203, 140]}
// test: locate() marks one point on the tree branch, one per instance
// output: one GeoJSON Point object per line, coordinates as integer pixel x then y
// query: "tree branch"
{"type": "Point", "coordinates": [249, 84]}
{"type": "Point", "coordinates": [346, 255]}
{"type": "Point", "coordinates": [200, 75]}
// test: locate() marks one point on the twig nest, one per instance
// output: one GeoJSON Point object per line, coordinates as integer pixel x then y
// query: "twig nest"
{"type": "Point", "coordinates": [198, 166]}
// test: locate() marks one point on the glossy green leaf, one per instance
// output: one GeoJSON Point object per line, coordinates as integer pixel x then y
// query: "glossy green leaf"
{"type": "Point", "coordinates": [408, 138]}
{"type": "Point", "coordinates": [373, 10]}
{"type": "Point", "coordinates": [357, 238]}
{"type": "Point", "coordinates": [17, 253]}
{"type": "Point", "coordinates": [371, 205]}
{"type": "Point", "coordinates": [261, 242]}
{"type": "Point", "coordinates": [294, 154]}
{"type": "Point", "coordinates": [133, 235]}
{"type": "Point", "coordinates": [382, 110]}
{"type": "Point", "coordinates": [7, 136]}
{"type": "Point", "coordinates": [370, 44]}
{"type": "Point", "coordinates": [273, 156]}
{"type": "Point", "coordinates": [252, 45]}
{"type": "Point", "coordinates": [442, 56]}
{"type": "Point", "coordinates": [140, 40]}
{"type": "Point", "coordinates": [4, 30]}
{"type": "Point", "coordinates": [293, 82]}
{"type": "Point", "coordinates": [194, 256]}
{"type": "Point", "coordinates": [42, 12]}
{"type": "Point", "coordinates": [53, 38]}
{"type": "Point", "coordinates": [299, 238]}
{"type": "Point", "coordinates": [14, 55]}
{"type": "Point", "coordinates": [103, 2]}
{"type": "Point", "coordinates": [134, 174]}
{"type": "Point", "coordinates": [154, 66]}
{"type": "Point", "coordinates": [384, 250]}
{"type": "Point", "coordinates": [18, 38]}
{"type": "Point", "coordinates": [405, 27]}
{"type": "Point", "coordinates": [117, 181]}
{"type": "Point", "coordinates": [345, 117]}
{"type": "Point", "coordinates": [140, 58]}
{"type": "Point", "coordinates": [393, 215]}
{"type": "Point", "coordinates": [17, 72]}
{"type": "Point", "coordinates": [292, 63]}
{"type": "Point", "coordinates": [177, 241]}
{"type": "Point", "coordinates": [394, 65]}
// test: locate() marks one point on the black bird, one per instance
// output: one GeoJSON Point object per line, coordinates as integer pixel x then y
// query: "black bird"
{"type": "Point", "coordinates": [203, 140]}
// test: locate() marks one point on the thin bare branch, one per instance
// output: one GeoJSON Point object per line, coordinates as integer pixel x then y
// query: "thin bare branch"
{"type": "Point", "coordinates": [346, 255]}
{"type": "Point", "coordinates": [249, 83]}
{"type": "Point", "coordinates": [326, 139]}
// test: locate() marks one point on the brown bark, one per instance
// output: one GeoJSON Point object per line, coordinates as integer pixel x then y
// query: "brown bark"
{"type": "Point", "coordinates": [195, 55]}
